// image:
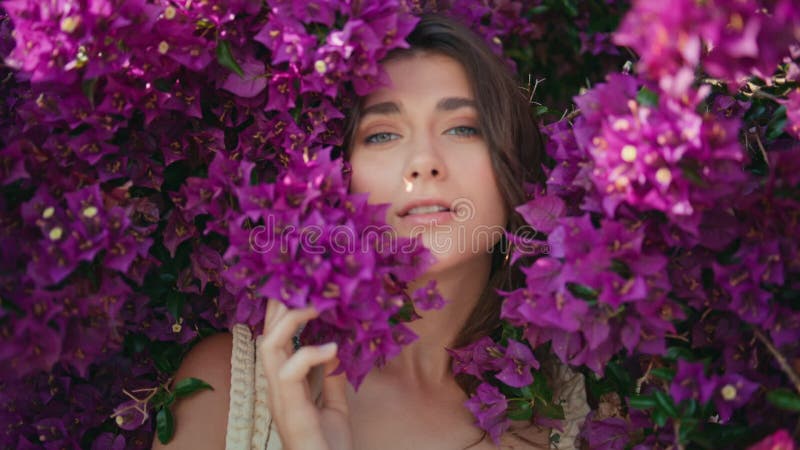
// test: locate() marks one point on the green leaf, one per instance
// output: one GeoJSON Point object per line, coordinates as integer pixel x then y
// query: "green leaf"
{"type": "Point", "coordinates": [641, 401]}
{"type": "Point", "coordinates": [664, 373]}
{"type": "Point", "coordinates": [190, 385]}
{"type": "Point", "coordinates": [621, 377]}
{"type": "Point", "coordinates": [167, 356]}
{"type": "Point", "coordinates": [549, 410]}
{"type": "Point", "coordinates": [175, 302]}
{"type": "Point", "coordinates": [755, 112]}
{"type": "Point", "coordinates": [541, 9]}
{"type": "Point", "coordinates": [776, 124]}
{"type": "Point", "coordinates": [691, 408]}
{"type": "Point", "coordinates": [162, 399]}
{"type": "Point", "coordinates": [646, 97]}
{"type": "Point", "coordinates": [693, 175]}
{"type": "Point", "coordinates": [406, 313]}
{"type": "Point", "coordinates": [665, 403]}
{"type": "Point", "coordinates": [167, 277]}
{"type": "Point", "coordinates": [519, 410]}
{"type": "Point", "coordinates": [136, 342]}
{"type": "Point", "coordinates": [89, 88]}
{"type": "Point", "coordinates": [570, 8]}
{"type": "Point", "coordinates": [714, 436]}
{"type": "Point", "coordinates": [510, 332]}
{"type": "Point", "coordinates": [226, 59]}
{"type": "Point", "coordinates": [784, 399]}
{"type": "Point", "coordinates": [165, 425]}
{"type": "Point", "coordinates": [163, 85]}
{"type": "Point", "coordinates": [582, 291]}
{"type": "Point", "coordinates": [621, 268]}
{"type": "Point", "coordinates": [659, 417]}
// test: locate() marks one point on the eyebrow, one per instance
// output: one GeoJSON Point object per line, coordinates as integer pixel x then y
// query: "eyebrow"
{"type": "Point", "coordinates": [445, 104]}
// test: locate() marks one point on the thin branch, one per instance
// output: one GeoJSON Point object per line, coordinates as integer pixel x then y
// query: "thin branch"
{"type": "Point", "coordinates": [644, 378]}
{"type": "Point", "coordinates": [787, 369]}
{"type": "Point", "coordinates": [676, 427]}
{"type": "Point", "coordinates": [573, 114]}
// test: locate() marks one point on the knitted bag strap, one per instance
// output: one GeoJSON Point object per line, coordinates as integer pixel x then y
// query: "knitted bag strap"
{"type": "Point", "coordinates": [571, 391]}
{"type": "Point", "coordinates": [240, 408]}
{"type": "Point", "coordinates": [265, 437]}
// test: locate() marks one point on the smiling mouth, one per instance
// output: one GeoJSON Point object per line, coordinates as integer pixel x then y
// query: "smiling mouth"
{"type": "Point", "coordinates": [429, 209]}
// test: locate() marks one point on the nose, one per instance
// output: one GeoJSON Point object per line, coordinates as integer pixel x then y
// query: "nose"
{"type": "Point", "coordinates": [425, 163]}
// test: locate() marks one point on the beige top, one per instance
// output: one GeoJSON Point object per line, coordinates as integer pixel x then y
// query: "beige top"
{"type": "Point", "coordinates": [250, 423]}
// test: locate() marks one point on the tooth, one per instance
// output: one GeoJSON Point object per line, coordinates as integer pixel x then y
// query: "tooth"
{"type": "Point", "coordinates": [426, 209]}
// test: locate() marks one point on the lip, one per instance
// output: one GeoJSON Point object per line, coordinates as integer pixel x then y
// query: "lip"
{"type": "Point", "coordinates": [423, 219]}
{"type": "Point", "coordinates": [403, 212]}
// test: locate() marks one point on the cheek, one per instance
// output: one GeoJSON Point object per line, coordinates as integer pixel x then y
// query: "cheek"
{"type": "Point", "coordinates": [368, 177]}
{"type": "Point", "coordinates": [493, 206]}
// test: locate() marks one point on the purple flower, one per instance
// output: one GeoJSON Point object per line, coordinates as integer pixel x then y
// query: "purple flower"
{"type": "Point", "coordinates": [489, 407]}
{"type": "Point", "coordinates": [109, 441]}
{"type": "Point", "coordinates": [130, 415]}
{"type": "Point", "coordinates": [609, 433]}
{"type": "Point", "coordinates": [518, 362]}
{"type": "Point", "coordinates": [428, 297]}
{"type": "Point", "coordinates": [658, 156]}
{"type": "Point", "coordinates": [779, 440]}
{"type": "Point", "coordinates": [482, 355]}
{"type": "Point", "coordinates": [542, 212]}
{"type": "Point", "coordinates": [317, 245]}
{"type": "Point", "coordinates": [732, 392]}
{"type": "Point", "coordinates": [793, 113]}
{"type": "Point", "coordinates": [744, 37]}
{"type": "Point", "coordinates": [690, 382]}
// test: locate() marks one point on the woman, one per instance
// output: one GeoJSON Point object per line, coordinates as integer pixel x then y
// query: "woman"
{"type": "Point", "coordinates": [448, 143]}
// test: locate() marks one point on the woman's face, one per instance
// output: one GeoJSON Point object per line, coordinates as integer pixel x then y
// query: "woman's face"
{"type": "Point", "coordinates": [419, 147]}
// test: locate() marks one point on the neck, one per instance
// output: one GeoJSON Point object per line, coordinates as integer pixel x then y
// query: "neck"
{"type": "Point", "coordinates": [425, 361]}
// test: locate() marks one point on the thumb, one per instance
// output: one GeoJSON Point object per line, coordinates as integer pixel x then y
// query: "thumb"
{"type": "Point", "coordinates": [334, 395]}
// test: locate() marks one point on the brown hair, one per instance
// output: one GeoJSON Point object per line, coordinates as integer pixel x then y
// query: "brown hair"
{"type": "Point", "coordinates": [514, 142]}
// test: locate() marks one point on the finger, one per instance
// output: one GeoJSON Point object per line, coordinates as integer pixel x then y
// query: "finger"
{"type": "Point", "coordinates": [334, 394]}
{"type": "Point", "coordinates": [275, 310]}
{"type": "Point", "coordinates": [280, 333]}
{"type": "Point", "coordinates": [298, 366]}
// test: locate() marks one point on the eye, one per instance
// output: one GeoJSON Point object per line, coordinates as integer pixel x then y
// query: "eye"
{"type": "Point", "coordinates": [380, 138]}
{"type": "Point", "coordinates": [463, 131]}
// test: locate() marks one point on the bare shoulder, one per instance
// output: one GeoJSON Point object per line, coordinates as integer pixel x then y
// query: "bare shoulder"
{"type": "Point", "coordinates": [202, 418]}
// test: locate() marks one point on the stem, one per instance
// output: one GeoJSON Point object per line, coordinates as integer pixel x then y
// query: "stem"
{"type": "Point", "coordinates": [676, 427]}
{"type": "Point", "coordinates": [762, 149]}
{"type": "Point", "coordinates": [573, 114]}
{"type": "Point", "coordinates": [678, 337]}
{"type": "Point", "coordinates": [644, 378]}
{"type": "Point", "coordinates": [787, 369]}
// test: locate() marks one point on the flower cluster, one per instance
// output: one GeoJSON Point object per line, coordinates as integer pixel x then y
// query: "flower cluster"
{"type": "Point", "coordinates": [312, 244]}
{"type": "Point", "coordinates": [166, 167]}
{"type": "Point", "coordinates": [490, 362]}
{"type": "Point", "coordinates": [139, 142]}
{"type": "Point", "coordinates": [600, 289]}
{"type": "Point", "coordinates": [731, 39]}
{"type": "Point", "coordinates": [659, 155]}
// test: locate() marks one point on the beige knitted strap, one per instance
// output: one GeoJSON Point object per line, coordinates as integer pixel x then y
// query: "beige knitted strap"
{"type": "Point", "coordinates": [240, 410]}
{"type": "Point", "coordinates": [264, 435]}
{"type": "Point", "coordinates": [572, 393]}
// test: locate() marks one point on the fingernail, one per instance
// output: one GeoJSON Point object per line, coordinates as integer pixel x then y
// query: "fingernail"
{"type": "Point", "coordinates": [329, 347]}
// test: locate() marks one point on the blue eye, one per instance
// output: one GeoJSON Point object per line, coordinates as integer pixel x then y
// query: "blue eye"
{"type": "Point", "coordinates": [380, 138]}
{"type": "Point", "coordinates": [463, 131]}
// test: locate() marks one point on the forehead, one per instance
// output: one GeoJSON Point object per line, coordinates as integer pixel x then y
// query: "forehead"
{"type": "Point", "coordinates": [425, 77]}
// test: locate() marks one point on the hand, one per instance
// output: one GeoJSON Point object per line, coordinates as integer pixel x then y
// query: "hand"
{"type": "Point", "coordinates": [301, 424]}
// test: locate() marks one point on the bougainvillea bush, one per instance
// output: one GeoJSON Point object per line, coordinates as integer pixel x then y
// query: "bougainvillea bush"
{"type": "Point", "coordinates": [168, 166]}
